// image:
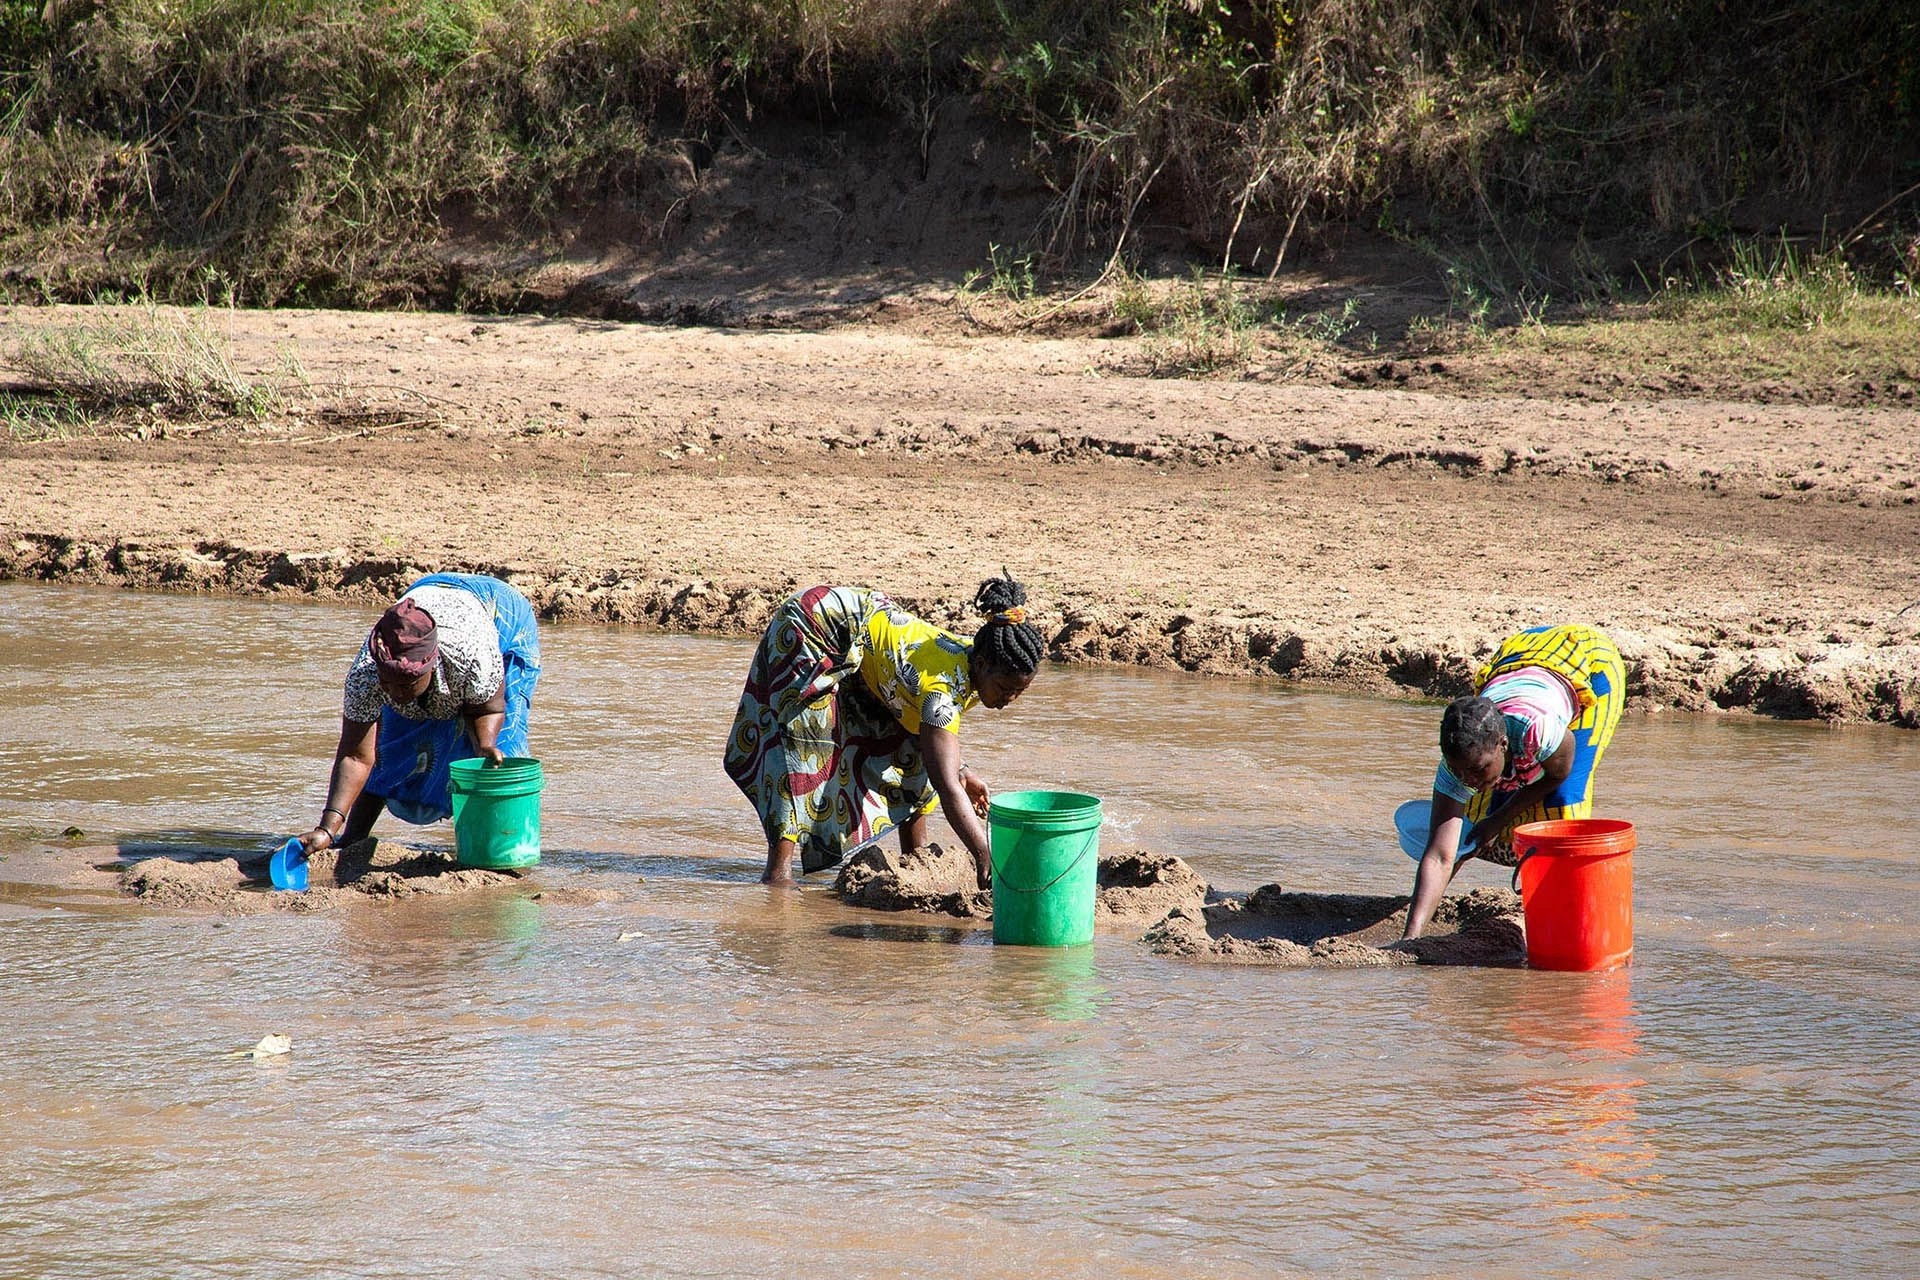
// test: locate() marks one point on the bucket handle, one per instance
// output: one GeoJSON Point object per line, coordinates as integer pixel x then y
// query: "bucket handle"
{"type": "Point", "coordinates": [1093, 838]}
{"type": "Point", "coordinates": [1518, 863]}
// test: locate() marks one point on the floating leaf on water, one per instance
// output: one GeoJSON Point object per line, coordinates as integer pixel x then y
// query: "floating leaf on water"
{"type": "Point", "coordinates": [269, 1047]}
{"type": "Point", "coordinates": [629, 937]}
{"type": "Point", "coordinates": [73, 833]}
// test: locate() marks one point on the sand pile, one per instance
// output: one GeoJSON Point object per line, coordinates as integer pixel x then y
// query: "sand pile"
{"type": "Point", "coordinates": [371, 868]}
{"type": "Point", "coordinates": [930, 878]}
{"type": "Point", "coordinates": [1344, 931]}
{"type": "Point", "coordinates": [1138, 888]}
{"type": "Point", "coordinates": [1135, 888]}
{"type": "Point", "coordinates": [212, 884]}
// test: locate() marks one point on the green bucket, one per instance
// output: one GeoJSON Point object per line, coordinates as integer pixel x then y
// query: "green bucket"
{"type": "Point", "coordinates": [1046, 856]}
{"type": "Point", "coordinates": [496, 813]}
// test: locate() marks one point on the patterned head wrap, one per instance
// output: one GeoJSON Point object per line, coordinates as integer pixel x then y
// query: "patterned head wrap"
{"type": "Point", "coordinates": [404, 642]}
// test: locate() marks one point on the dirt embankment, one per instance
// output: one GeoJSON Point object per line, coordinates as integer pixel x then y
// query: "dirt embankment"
{"type": "Point", "coordinates": [1743, 556]}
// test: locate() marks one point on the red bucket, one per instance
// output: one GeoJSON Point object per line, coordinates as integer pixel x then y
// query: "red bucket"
{"type": "Point", "coordinates": [1576, 887]}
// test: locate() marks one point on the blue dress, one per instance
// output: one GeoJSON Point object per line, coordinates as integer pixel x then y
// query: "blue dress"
{"type": "Point", "coordinates": [411, 756]}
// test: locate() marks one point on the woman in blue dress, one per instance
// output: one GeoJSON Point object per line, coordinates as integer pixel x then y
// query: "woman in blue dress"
{"type": "Point", "coordinates": [446, 674]}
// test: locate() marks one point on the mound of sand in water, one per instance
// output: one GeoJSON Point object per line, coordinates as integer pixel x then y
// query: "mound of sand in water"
{"type": "Point", "coordinates": [1135, 888]}
{"type": "Point", "coordinates": [929, 879]}
{"type": "Point", "coordinates": [1344, 931]}
{"type": "Point", "coordinates": [211, 884]}
{"type": "Point", "coordinates": [1138, 888]}
{"type": "Point", "coordinates": [370, 868]}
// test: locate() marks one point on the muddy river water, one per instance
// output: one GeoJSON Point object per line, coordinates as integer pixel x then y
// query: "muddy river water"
{"type": "Point", "coordinates": [698, 1076]}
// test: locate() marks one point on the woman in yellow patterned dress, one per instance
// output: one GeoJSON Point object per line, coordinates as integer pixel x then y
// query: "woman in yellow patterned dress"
{"type": "Point", "coordinates": [849, 726]}
{"type": "Point", "coordinates": [1522, 748]}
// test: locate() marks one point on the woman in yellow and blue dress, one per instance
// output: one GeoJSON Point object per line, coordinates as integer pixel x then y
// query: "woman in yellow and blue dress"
{"type": "Point", "coordinates": [1522, 748]}
{"type": "Point", "coordinates": [849, 726]}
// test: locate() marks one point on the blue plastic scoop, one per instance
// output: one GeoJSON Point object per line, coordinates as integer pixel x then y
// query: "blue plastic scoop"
{"type": "Point", "coordinates": [288, 866]}
{"type": "Point", "coordinates": [1414, 819]}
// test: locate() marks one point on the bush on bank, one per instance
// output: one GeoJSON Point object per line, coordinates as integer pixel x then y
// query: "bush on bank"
{"type": "Point", "coordinates": [298, 149]}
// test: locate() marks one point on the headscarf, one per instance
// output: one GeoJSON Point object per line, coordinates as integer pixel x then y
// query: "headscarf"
{"type": "Point", "coordinates": [404, 642]}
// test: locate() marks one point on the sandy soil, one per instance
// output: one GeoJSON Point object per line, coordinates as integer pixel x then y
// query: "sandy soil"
{"type": "Point", "coordinates": [373, 869]}
{"type": "Point", "coordinates": [1135, 889]}
{"type": "Point", "coordinates": [1345, 931]}
{"type": "Point", "coordinates": [1379, 538]}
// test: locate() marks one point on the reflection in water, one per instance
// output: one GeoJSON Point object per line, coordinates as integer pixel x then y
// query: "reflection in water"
{"type": "Point", "coordinates": [1589, 1118]}
{"type": "Point", "coordinates": [1585, 1016]}
{"type": "Point", "coordinates": [500, 917]}
{"type": "Point", "coordinates": [1062, 984]}
{"type": "Point", "coordinates": [873, 932]}
{"type": "Point", "coordinates": [1563, 1078]}
{"type": "Point", "coordinates": [687, 1073]}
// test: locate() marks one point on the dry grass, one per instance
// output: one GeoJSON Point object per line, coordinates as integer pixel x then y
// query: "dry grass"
{"type": "Point", "coordinates": [165, 362]}
{"type": "Point", "coordinates": [306, 151]}
{"type": "Point", "coordinates": [1871, 351]}
{"type": "Point", "coordinates": [151, 371]}
{"type": "Point", "coordinates": [1769, 323]}
{"type": "Point", "coordinates": [1770, 320]}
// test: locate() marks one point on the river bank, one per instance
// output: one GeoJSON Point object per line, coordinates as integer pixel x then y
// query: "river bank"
{"type": "Point", "coordinates": [1745, 556]}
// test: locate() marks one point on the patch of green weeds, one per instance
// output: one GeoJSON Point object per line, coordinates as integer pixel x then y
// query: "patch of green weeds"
{"type": "Point", "coordinates": [1774, 285]}
{"type": "Point", "coordinates": [43, 417]}
{"type": "Point", "coordinates": [1328, 328]}
{"type": "Point", "coordinates": [177, 363]}
{"type": "Point", "coordinates": [1765, 317]}
{"type": "Point", "coordinates": [1009, 276]}
{"type": "Point", "coordinates": [1204, 325]}
{"type": "Point", "coordinates": [1208, 323]}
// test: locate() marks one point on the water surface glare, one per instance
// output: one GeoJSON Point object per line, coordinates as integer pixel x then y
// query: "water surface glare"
{"type": "Point", "coordinates": [706, 1078]}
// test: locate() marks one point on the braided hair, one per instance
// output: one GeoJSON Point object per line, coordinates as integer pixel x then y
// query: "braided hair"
{"type": "Point", "coordinates": [1007, 640]}
{"type": "Point", "coordinates": [1470, 727]}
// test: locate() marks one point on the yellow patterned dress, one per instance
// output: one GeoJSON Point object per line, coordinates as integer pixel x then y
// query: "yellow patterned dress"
{"type": "Point", "coordinates": [833, 763]}
{"type": "Point", "coordinates": [1595, 679]}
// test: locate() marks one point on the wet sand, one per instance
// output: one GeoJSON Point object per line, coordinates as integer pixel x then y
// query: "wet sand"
{"type": "Point", "coordinates": [1273, 927]}
{"type": "Point", "coordinates": [1744, 556]}
{"type": "Point", "coordinates": [369, 870]}
{"type": "Point", "coordinates": [1183, 918]}
{"type": "Point", "coordinates": [1135, 889]}
{"type": "Point", "coordinates": [1157, 898]}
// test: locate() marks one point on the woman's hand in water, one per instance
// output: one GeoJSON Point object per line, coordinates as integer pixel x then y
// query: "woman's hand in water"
{"type": "Point", "coordinates": [977, 792]}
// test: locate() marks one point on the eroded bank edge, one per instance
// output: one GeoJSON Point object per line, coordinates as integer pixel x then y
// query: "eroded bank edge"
{"type": "Point", "coordinates": [1835, 682]}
